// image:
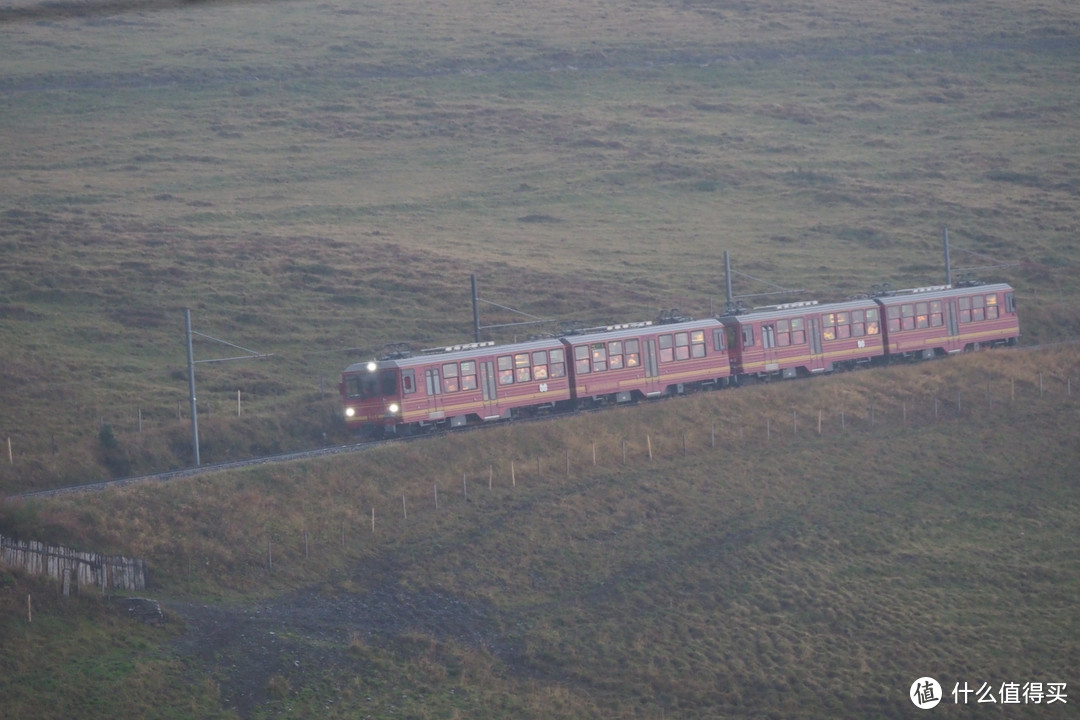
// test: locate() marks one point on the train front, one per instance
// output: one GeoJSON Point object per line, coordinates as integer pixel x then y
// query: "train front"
{"type": "Point", "coordinates": [371, 393]}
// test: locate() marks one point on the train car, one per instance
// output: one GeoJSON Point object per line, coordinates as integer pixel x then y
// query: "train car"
{"type": "Point", "coordinates": [804, 338]}
{"type": "Point", "coordinates": [628, 362]}
{"type": "Point", "coordinates": [455, 385]}
{"type": "Point", "coordinates": [939, 320]}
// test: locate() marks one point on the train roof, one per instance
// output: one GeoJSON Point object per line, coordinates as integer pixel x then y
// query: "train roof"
{"type": "Point", "coordinates": [456, 353]}
{"type": "Point", "coordinates": [795, 309]}
{"type": "Point", "coordinates": [632, 330]}
{"type": "Point", "coordinates": [935, 292]}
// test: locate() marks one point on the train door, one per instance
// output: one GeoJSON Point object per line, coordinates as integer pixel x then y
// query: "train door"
{"type": "Point", "coordinates": [652, 370]}
{"type": "Point", "coordinates": [487, 389]}
{"type": "Point", "coordinates": [815, 343]}
{"type": "Point", "coordinates": [951, 325]}
{"type": "Point", "coordinates": [434, 393]}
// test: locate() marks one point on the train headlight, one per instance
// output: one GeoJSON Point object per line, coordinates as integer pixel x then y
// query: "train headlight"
{"type": "Point", "coordinates": [372, 366]}
{"type": "Point", "coordinates": [350, 412]}
{"type": "Point", "coordinates": [393, 408]}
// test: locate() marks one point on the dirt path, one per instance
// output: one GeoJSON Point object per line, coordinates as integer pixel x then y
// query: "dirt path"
{"type": "Point", "coordinates": [309, 632]}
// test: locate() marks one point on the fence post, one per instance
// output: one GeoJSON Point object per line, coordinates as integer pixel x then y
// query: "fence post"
{"type": "Point", "coordinates": [269, 554]}
{"type": "Point", "coordinates": [10, 457]}
{"type": "Point", "coordinates": [648, 442]}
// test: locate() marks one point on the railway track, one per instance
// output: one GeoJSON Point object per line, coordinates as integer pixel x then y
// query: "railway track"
{"type": "Point", "coordinates": [338, 449]}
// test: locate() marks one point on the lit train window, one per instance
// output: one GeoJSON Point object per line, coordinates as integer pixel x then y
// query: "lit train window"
{"type": "Point", "coordinates": [615, 354]}
{"type": "Point", "coordinates": [697, 344]}
{"type": "Point", "coordinates": [468, 375]}
{"type": "Point", "coordinates": [599, 357]}
{"type": "Point", "coordinates": [991, 307]}
{"type": "Point", "coordinates": [506, 370]}
{"type": "Point", "coordinates": [540, 368]}
{"type": "Point", "coordinates": [633, 353]}
{"type": "Point", "coordinates": [907, 316]}
{"type": "Point", "coordinates": [522, 369]}
{"type": "Point", "coordinates": [872, 325]}
{"type": "Point", "coordinates": [450, 378]}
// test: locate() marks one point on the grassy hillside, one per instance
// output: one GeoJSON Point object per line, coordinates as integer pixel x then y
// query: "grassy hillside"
{"type": "Point", "coordinates": [317, 181]}
{"type": "Point", "coordinates": [781, 573]}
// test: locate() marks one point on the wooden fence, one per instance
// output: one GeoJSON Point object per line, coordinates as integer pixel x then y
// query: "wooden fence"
{"type": "Point", "coordinates": [74, 567]}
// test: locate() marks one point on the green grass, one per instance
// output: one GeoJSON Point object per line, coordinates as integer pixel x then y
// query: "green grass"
{"type": "Point", "coordinates": [315, 181]}
{"type": "Point", "coordinates": [798, 575]}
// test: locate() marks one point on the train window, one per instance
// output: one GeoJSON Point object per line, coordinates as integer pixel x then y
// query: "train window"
{"type": "Point", "coordinates": [748, 335]}
{"type": "Point", "coordinates": [858, 323]}
{"type": "Point", "coordinates": [798, 330]}
{"type": "Point", "coordinates": [828, 322]}
{"type": "Point", "coordinates": [599, 357]}
{"type": "Point", "coordinates": [581, 359]}
{"type": "Point", "coordinates": [783, 333]}
{"type": "Point", "coordinates": [768, 336]}
{"type": "Point", "coordinates": [450, 378]}
{"type": "Point", "coordinates": [937, 315]}
{"type": "Point", "coordinates": [682, 346]}
{"type": "Point", "coordinates": [978, 308]}
{"type": "Point", "coordinates": [667, 351]}
{"type": "Point", "coordinates": [894, 318]}
{"type": "Point", "coordinates": [872, 326]}
{"type": "Point", "coordinates": [615, 354]}
{"type": "Point", "coordinates": [965, 309]}
{"type": "Point", "coordinates": [558, 363]}
{"type": "Point", "coordinates": [922, 315]}
{"type": "Point", "coordinates": [408, 381]}
{"type": "Point", "coordinates": [991, 307]}
{"type": "Point", "coordinates": [540, 368]}
{"type": "Point", "coordinates": [843, 325]}
{"type": "Point", "coordinates": [522, 369]}
{"type": "Point", "coordinates": [1010, 302]}
{"type": "Point", "coordinates": [633, 353]}
{"type": "Point", "coordinates": [719, 340]}
{"type": "Point", "coordinates": [697, 344]}
{"type": "Point", "coordinates": [352, 386]}
{"type": "Point", "coordinates": [907, 316]}
{"type": "Point", "coordinates": [468, 375]}
{"type": "Point", "coordinates": [506, 370]}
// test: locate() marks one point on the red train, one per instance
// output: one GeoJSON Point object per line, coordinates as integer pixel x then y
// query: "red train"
{"type": "Point", "coordinates": [474, 383]}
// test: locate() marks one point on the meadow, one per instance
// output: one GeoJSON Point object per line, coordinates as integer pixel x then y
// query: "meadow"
{"type": "Point", "coordinates": [314, 180]}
